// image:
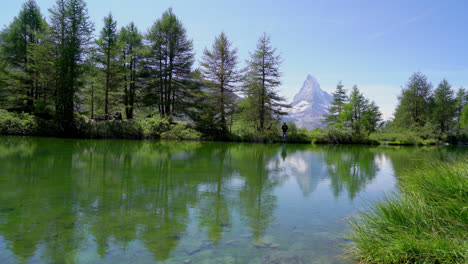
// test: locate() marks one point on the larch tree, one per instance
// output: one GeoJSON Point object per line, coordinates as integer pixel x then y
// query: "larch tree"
{"type": "Point", "coordinates": [339, 100]}
{"type": "Point", "coordinates": [413, 109]}
{"type": "Point", "coordinates": [220, 71]}
{"type": "Point", "coordinates": [132, 43]}
{"type": "Point", "coordinates": [444, 106]}
{"type": "Point", "coordinates": [171, 58]}
{"type": "Point", "coordinates": [262, 78]}
{"type": "Point", "coordinates": [71, 31]}
{"type": "Point", "coordinates": [16, 43]}
{"type": "Point", "coordinates": [108, 56]}
{"type": "Point", "coordinates": [461, 100]}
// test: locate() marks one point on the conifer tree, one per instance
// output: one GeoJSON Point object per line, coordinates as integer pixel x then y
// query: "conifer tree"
{"type": "Point", "coordinates": [132, 44]}
{"type": "Point", "coordinates": [339, 100]}
{"type": "Point", "coordinates": [108, 56]}
{"type": "Point", "coordinates": [71, 33]}
{"type": "Point", "coordinates": [461, 100]}
{"type": "Point", "coordinates": [444, 106]}
{"type": "Point", "coordinates": [171, 58]}
{"type": "Point", "coordinates": [262, 78]}
{"type": "Point", "coordinates": [220, 70]}
{"type": "Point", "coordinates": [15, 50]}
{"type": "Point", "coordinates": [413, 109]}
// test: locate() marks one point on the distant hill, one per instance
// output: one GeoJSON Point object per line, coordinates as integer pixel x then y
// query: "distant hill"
{"type": "Point", "coordinates": [310, 105]}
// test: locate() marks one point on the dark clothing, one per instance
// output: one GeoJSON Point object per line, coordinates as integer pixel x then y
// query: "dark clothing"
{"type": "Point", "coordinates": [285, 132]}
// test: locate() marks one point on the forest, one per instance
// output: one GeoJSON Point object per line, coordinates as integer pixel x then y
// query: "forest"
{"type": "Point", "coordinates": [58, 79]}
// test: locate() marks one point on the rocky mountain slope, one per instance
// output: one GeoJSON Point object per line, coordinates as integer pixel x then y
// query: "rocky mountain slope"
{"type": "Point", "coordinates": [310, 105]}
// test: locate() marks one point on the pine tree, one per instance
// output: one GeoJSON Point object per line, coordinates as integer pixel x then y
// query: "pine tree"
{"type": "Point", "coordinates": [171, 57]}
{"type": "Point", "coordinates": [262, 78]}
{"type": "Point", "coordinates": [220, 70]}
{"type": "Point", "coordinates": [108, 56]}
{"type": "Point", "coordinates": [132, 44]}
{"type": "Point", "coordinates": [444, 106]}
{"type": "Point", "coordinates": [339, 100]}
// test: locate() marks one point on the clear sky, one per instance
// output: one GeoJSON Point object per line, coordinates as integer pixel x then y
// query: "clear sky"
{"type": "Point", "coordinates": [374, 44]}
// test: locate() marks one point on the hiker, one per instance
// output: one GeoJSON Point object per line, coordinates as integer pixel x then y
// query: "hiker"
{"type": "Point", "coordinates": [285, 131]}
{"type": "Point", "coordinates": [118, 116]}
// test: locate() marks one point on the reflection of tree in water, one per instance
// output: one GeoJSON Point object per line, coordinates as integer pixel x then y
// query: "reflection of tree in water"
{"type": "Point", "coordinates": [55, 193]}
{"type": "Point", "coordinates": [215, 199]}
{"type": "Point", "coordinates": [404, 158]}
{"type": "Point", "coordinates": [350, 168]}
{"type": "Point", "coordinates": [257, 200]}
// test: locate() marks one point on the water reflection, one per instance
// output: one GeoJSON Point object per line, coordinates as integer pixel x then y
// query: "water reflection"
{"type": "Point", "coordinates": [76, 201]}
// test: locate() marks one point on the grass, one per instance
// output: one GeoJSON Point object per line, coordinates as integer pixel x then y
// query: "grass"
{"type": "Point", "coordinates": [426, 223]}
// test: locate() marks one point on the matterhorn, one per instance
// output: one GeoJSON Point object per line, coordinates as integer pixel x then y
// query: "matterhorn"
{"type": "Point", "coordinates": [310, 105]}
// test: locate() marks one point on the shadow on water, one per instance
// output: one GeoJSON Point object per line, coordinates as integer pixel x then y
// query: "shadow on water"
{"type": "Point", "coordinates": [76, 201]}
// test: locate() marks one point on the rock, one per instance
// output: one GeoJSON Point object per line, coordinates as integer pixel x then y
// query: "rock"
{"type": "Point", "coordinates": [187, 261]}
{"type": "Point", "coordinates": [263, 242]}
{"type": "Point", "coordinates": [286, 257]}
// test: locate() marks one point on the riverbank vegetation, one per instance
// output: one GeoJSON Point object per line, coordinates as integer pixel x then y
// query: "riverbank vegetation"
{"type": "Point", "coordinates": [424, 116]}
{"type": "Point", "coordinates": [426, 223]}
{"type": "Point", "coordinates": [56, 79]}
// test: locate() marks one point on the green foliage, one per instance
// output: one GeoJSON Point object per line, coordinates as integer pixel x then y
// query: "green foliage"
{"type": "Point", "coordinates": [358, 115]}
{"type": "Point", "coordinates": [71, 34]}
{"type": "Point", "coordinates": [425, 223]}
{"type": "Point", "coordinates": [17, 42]}
{"type": "Point", "coordinates": [170, 57]}
{"type": "Point", "coordinates": [181, 131]}
{"type": "Point", "coordinates": [464, 117]}
{"type": "Point", "coordinates": [17, 124]}
{"type": "Point", "coordinates": [221, 74]}
{"type": "Point", "coordinates": [108, 51]}
{"type": "Point", "coordinates": [154, 127]}
{"type": "Point", "coordinates": [337, 105]}
{"type": "Point", "coordinates": [413, 109]}
{"type": "Point", "coordinates": [444, 106]}
{"type": "Point", "coordinates": [262, 78]}
{"type": "Point", "coordinates": [132, 54]}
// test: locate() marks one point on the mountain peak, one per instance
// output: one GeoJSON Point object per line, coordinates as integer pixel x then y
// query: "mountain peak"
{"type": "Point", "coordinates": [310, 104]}
{"type": "Point", "coordinates": [310, 77]}
{"type": "Point", "coordinates": [310, 90]}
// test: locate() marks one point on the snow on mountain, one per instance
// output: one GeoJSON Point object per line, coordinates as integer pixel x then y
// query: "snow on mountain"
{"type": "Point", "coordinates": [310, 105]}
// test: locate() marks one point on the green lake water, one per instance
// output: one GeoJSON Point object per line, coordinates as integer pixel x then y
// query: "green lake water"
{"type": "Point", "coordinates": [117, 201]}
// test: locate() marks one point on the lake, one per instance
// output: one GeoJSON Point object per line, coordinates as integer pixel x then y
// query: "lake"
{"type": "Point", "coordinates": [119, 201]}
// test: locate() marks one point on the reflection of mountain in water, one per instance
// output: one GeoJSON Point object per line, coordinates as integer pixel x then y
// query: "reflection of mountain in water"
{"type": "Point", "coordinates": [307, 167]}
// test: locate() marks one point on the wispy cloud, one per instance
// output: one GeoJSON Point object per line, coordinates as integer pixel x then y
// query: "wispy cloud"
{"type": "Point", "coordinates": [400, 24]}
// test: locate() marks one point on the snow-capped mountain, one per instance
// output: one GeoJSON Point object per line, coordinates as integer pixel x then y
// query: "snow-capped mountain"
{"type": "Point", "coordinates": [310, 105]}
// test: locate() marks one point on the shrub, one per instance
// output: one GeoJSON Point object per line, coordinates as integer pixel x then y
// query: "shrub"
{"type": "Point", "coordinates": [17, 123]}
{"type": "Point", "coordinates": [154, 127]}
{"type": "Point", "coordinates": [125, 129]}
{"type": "Point", "coordinates": [181, 131]}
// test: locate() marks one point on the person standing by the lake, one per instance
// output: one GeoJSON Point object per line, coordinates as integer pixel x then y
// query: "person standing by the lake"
{"type": "Point", "coordinates": [285, 131]}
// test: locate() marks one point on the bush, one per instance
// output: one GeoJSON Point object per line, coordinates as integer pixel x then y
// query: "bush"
{"type": "Point", "coordinates": [124, 129]}
{"type": "Point", "coordinates": [181, 131]}
{"type": "Point", "coordinates": [17, 124]}
{"type": "Point", "coordinates": [336, 135]}
{"type": "Point", "coordinates": [426, 223]}
{"type": "Point", "coordinates": [154, 127]}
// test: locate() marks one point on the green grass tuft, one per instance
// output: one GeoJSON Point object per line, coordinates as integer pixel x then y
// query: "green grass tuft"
{"type": "Point", "coordinates": [426, 223]}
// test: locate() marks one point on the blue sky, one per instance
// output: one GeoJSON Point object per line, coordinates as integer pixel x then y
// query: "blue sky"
{"type": "Point", "coordinates": [374, 44]}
